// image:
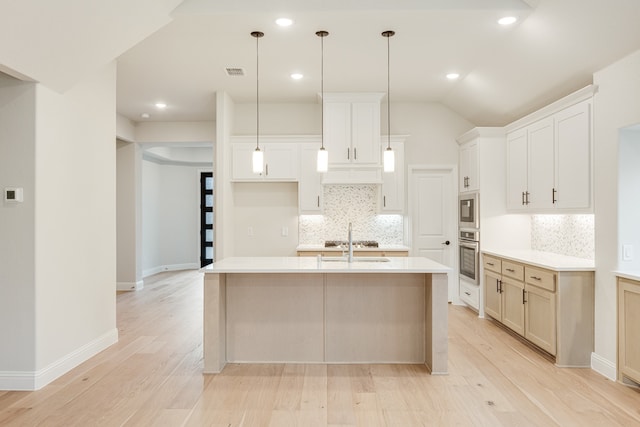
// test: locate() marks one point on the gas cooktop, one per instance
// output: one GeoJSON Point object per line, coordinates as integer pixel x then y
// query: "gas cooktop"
{"type": "Point", "coordinates": [345, 244]}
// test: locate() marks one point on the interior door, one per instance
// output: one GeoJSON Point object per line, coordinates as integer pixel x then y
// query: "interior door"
{"type": "Point", "coordinates": [432, 207]}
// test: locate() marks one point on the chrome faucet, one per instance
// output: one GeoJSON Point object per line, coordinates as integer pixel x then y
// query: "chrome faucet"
{"type": "Point", "coordinates": [350, 258]}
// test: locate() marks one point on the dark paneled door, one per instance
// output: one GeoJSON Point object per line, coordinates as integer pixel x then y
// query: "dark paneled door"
{"type": "Point", "coordinates": [206, 218]}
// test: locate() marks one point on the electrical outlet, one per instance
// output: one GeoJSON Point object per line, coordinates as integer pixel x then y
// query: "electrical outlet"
{"type": "Point", "coordinates": [285, 231]}
{"type": "Point", "coordinates": [627, 252]}
{"type": "Point", "coordinates": [250, 231]}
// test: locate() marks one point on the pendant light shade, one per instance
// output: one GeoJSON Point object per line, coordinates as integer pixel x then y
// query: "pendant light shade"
{"type": "Point", "coordinates": [258, 155]}
{"type": "Point", "coordinates": [323, 154]}
{"type": "Point", "coordinates": [389, 160]}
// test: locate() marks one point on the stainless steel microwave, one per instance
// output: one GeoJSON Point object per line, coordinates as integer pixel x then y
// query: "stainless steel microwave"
{"type": "Point", "coordinates": [468, 208]}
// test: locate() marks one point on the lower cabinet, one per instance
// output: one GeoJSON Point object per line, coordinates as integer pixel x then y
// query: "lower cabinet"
{"type": "Point", "coordinates": [628, 330]}
{"type": "Point", "coordinates": [524, 298]}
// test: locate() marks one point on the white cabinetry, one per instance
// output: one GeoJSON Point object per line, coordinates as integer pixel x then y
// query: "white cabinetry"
{"type": "Point", "coordinates": [310, 190]}
{"type": "Point", "coordinates": [392, 188]}
{"type": "Point", "coordinates": [549, 158]}
{"type": "Point", "coordinates": [352, 128]}
{"type": "Point", "coordinates": [280, 162]}
{"type": "Point", "coordinates": [468, 180]}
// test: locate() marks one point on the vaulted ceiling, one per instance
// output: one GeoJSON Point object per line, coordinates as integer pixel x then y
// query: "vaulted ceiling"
{"type": "Point", "coordinates": [177, 51]}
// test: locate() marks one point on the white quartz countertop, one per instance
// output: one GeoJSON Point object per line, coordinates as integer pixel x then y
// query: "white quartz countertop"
{"type": "Point", "coordinates": [328, 265]}
{"type": "Point", "coordinates": [381, 248]}
{"type": "Point", "coordinates": [628, 274]}
{"type": "Point", "coordinates": [547, 260]}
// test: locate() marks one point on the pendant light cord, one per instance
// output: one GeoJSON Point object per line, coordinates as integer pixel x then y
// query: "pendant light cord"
{"type": "Point", "coordinates": [322, 34]}
{"type": "Point", "coordinates": [388, 36]}
{"type": "Point", "coordinates": [257, 35]}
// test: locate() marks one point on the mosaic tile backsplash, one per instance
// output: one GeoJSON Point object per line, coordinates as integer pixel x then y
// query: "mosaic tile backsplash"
{"type": "Point", "coordinates": [350, 203]}
{"type": "Point", "coordinates": [572, 235]}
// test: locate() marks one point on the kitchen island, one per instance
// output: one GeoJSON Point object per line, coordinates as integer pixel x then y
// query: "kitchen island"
{"type": "Point", "coordinates": [325, 310]}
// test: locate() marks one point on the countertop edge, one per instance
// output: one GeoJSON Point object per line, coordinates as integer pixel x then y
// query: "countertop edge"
{"type": "Point", "coordinates": [629, 274]}
{"type": "Point", "coordinates": [532, 258]}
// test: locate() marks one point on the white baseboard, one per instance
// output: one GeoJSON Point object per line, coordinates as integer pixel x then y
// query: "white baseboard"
{"type": "Point", "coordinates": [35, 380]}
{"type": "Point", "coordinates": [604, 367]}
{"type": "Point", "coordinates": [171, 267]}
{"type": "Point", "coordinates": [130, 286]}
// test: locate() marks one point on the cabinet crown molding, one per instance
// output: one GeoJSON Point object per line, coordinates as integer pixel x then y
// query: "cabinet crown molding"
{"type": "Point", "coordinates": [479, 132]}
{"type": "Point", "coordinates": [578, 96]}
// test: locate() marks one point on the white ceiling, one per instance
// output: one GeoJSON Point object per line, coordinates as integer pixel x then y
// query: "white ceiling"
{"type": "Point", "coordinates": [178, 54]}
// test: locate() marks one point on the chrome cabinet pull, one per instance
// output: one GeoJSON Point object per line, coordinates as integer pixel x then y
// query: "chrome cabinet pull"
{"type": "Point", "coordinates": [348, 154]}
{"type": "Point", "coordinates": [355, 153]}
{"type": "Point", "coordinates": [510, 270]}
{"type": "Point", "coordinates": [467, 294]}
{"type": "Point", "coordinates": [384, 201]}
{"type": "Point", "coordinates": [523, 198]}
{"type": "Point", "coordinates": [523, 296]}
{"type": "Point", "coordinates": [266, 167]}
{"type": "Point", "coordinates": [553, 196]}
{"type": "Point", "coordinates": [536, 278]}
{"type": "Point", "coordinates": [318, 201]}
{"type": "Point", "coordinates": [500, 285]}
{"type": "Point", "coordinates": [490, 263]}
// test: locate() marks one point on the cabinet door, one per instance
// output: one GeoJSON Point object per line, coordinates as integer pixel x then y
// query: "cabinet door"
{"type": "Point", "coordinates": [365, 132]}
{"type": "Point", "coordinates": [540, 318]}
{"type": "Point", "coordinates": [573, 157]}
{"type": "Point", "coordinates": [281, 162]}
{"type": "Point", "coordinates": [337, 131]}
{"type": "Point", "coordinates": [629, 329]}
{"type": "Point", "coordinates": [512, 305]}
{"type": "Point", "coordinates": [516, 169]}
{"type": "Point", "coordinates": [469, 167]}
{"type": "Point", "coordinates": [310, 189]}
{"type": "Point", "coordinates": [492, 295]}
{"type": "Point", "coordinates": [241, 162]}
{"type": "Point", "coordinates": [392, 188]}
{"type": "Point", "coordinates": [540, 163]}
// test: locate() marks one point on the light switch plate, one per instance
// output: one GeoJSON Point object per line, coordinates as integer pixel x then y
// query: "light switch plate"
{"type": "Point", "coordinates": [627, 252]}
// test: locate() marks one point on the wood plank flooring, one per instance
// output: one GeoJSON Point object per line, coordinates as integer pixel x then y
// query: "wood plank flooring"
{"type": "Point", "coordinates": [153, 377]}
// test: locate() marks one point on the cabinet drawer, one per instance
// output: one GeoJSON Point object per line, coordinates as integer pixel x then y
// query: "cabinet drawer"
{"type": "Point", "coordinates": [491, 263]}
{"type": "Point", "coordinates": [513, 270]}
{"type": "Point", "coordinates": [544, 279]}
{"type": "Point", "coordinates": [470, 294]}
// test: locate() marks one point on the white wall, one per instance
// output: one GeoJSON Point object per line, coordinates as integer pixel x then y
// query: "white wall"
{"type": "Point", "coordinates": [17, 226]}
{"type": "Point", "coordinates": [129, 215]}
{"type": "Point", "coordinates": [266, 208]}
{"type": "Point", "coordinates": [75, 229]}
{"type": "Point", "coordinates": [616, 105]}
{"type": "Point", "coordinates": [629, 191]}
{"type": "Point", "coordinates": [170, 217]}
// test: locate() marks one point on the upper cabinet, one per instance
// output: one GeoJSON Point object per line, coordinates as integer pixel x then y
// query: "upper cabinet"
{"type": "Point", "coordinates": [549, 158]}
{"type": "Point", "coordinates": [280, 161]}
{"type": "Point", "coordinates": [352, 128]}
{"type": "Point", "coordinates": [468, 180]}
{"type": "Point", "coordinates": [310, 190]}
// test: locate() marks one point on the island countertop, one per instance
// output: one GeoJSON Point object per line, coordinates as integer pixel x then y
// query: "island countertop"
{"type": "Point", "coordinates": [325, 265]}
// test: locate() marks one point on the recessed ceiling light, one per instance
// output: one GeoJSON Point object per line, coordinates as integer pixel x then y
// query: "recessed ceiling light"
{"type": "Point", "coordinates": [453, 76]}
{"type": "Point", "coordinates": [145, 115]}
{"type": "Point", "coordinates": [161, 105]}
{"type": "Point", "coordinates": [284, 22]}
{"type": "Point", "coordinates": [507, 20]}
{"type": "Point", "coordinates": [296, 76]}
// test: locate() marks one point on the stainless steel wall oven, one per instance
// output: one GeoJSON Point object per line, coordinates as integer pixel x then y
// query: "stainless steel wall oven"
{"type": "Point", "coordinates": [469, 256]}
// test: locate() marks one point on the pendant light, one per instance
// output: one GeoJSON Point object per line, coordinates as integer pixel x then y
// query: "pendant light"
{"type": "Point", "coordinates": [389, 157]}
{"type": "Point", "coordinates": [258, 155]}
{"type": "Point", "coordinates": [323, 154]}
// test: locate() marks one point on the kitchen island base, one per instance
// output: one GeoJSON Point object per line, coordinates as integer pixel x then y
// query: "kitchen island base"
{"type": "Point", "coordinates": [325, 318]}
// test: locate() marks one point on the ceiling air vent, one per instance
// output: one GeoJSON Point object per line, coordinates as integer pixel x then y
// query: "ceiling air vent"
{"type": "Point", "coordinates": [234, 71]}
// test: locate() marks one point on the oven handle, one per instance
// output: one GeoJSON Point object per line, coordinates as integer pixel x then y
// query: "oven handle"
{"type": "Point", "coordinates": [469, 244]}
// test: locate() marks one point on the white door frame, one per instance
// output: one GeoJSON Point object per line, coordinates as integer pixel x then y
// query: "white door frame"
{"type": "Point", "coordinates": [453, 277]}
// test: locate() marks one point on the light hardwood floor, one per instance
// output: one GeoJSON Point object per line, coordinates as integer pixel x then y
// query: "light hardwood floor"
{"type": "Point", "coordinates": [153, 376]}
